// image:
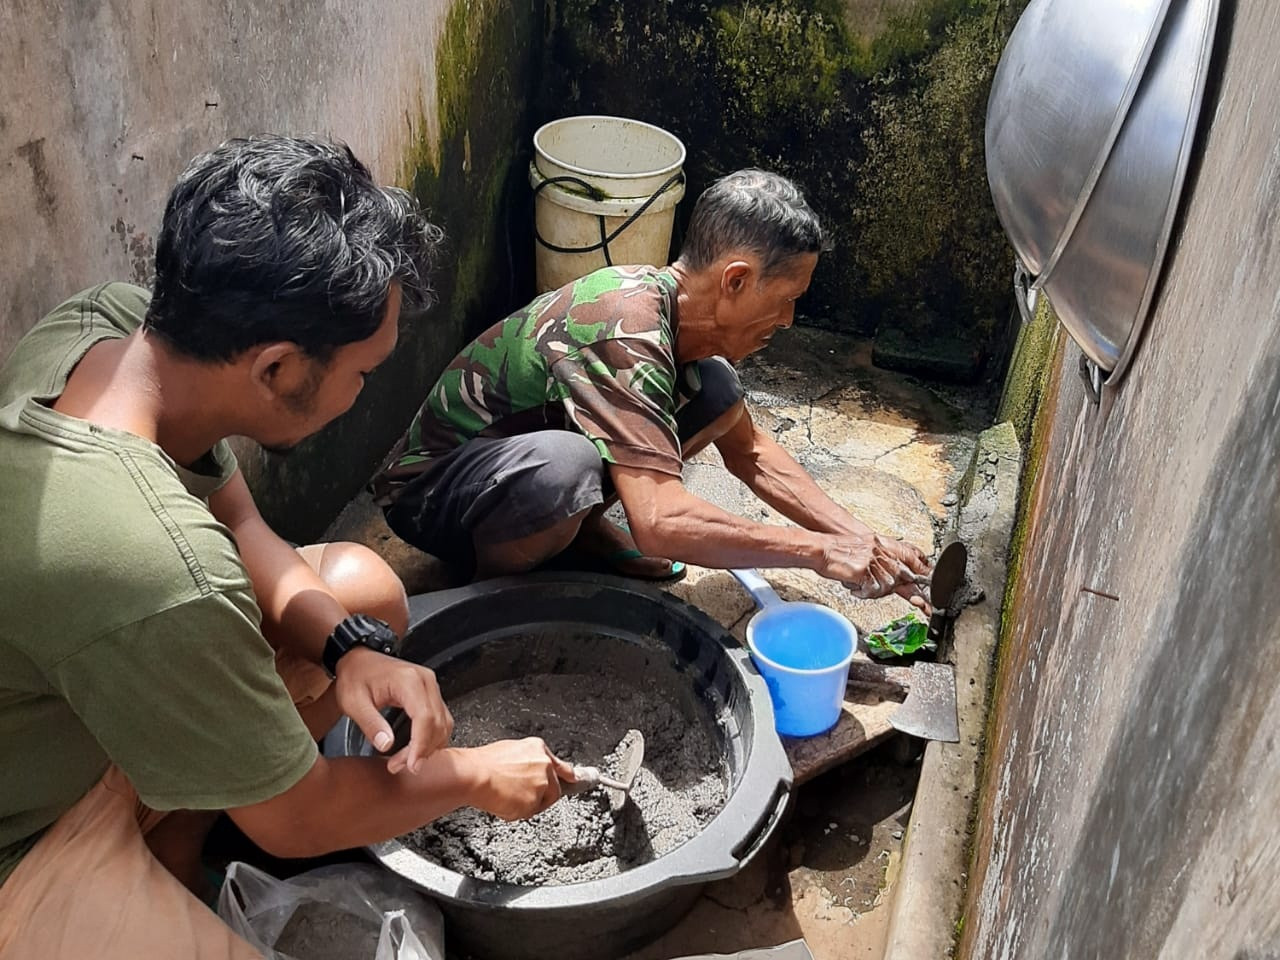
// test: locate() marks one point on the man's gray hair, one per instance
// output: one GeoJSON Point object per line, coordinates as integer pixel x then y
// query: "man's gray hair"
{"type": "Point", "coordinates": [752, 210]}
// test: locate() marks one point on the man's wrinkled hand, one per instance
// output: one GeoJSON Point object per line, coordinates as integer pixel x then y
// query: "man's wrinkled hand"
{"type": "Point", "coordinates": [516, 779]}
{"type": "Point", "coordinates": [873, 566]}
{"type": "Point", "coordinates": [369, 681]}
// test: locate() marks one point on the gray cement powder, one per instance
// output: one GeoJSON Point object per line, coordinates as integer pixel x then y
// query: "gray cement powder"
{"type": "Point", "coordinates": [320, 931]}
{"type": "Point", "coordinates": [583, 718]}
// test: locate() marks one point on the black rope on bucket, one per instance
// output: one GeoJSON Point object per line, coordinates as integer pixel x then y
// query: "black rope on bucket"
{"type": "Point", "coordinates": [596, 194]}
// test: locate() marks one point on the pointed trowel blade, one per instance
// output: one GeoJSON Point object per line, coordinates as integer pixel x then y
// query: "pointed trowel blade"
{"type": "Point", "coordinates": [630, 753]}
{"type": "Point", "coordinates": [948, 576]}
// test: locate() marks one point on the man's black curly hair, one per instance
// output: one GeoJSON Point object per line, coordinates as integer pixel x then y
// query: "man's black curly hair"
{"type": "Point", "coordinates": [275, 238]}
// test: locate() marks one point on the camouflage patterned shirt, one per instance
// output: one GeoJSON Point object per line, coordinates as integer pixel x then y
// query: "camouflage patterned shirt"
{"type": "Point", "coordinates": [596, 356]}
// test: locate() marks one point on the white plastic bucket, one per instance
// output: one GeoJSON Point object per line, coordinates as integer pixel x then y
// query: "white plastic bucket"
{"type": "Point", "coordinates": [606, 190]}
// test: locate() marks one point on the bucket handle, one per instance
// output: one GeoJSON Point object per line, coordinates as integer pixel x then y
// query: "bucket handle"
{"type": "Point", "coordinates": [755, 839]}
{"type": "Point", "coordinates": [595, 193]}
{"type": "Point", "coordinates": [697, 864]}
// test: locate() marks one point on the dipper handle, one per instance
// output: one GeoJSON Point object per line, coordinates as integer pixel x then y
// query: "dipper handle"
{"type": "Point", "coordinates": [761, 590]}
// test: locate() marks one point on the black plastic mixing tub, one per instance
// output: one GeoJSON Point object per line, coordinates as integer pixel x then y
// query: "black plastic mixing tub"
{"type": "Point", "coordinates": [466, 636]}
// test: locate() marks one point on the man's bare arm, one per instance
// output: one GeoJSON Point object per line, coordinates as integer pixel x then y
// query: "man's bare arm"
{"type": "Point", "coordinates": [354, 801]}
{"type": "Point", "coordinates": [298, 607]}
{"type": "Point", "coordinates": [300, 611]}
{"type": "Point", "coordinates": [669, 521]}
{"type": "Point", "coordinates": [773, 475]}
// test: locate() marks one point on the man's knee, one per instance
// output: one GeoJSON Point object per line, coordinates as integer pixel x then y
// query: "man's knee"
{"type": "Point", "coordinates": [566, 458]}
{"type": "Point", "coordinates": [723, 423]}
{"type": "Point", "coordinates": [361, 580]}
{"type": "Point", "coordinates": [721, 385]}
{"type": "Point", "coordinates": [719, 403]}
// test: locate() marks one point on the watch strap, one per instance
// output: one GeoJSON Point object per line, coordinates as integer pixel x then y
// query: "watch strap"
{"type": "Point", "coordinates": [357, 630]}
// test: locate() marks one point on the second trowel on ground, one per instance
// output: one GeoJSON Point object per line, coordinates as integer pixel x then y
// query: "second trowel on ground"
{"type": "Point", "coordinates": [948, 577]}
{"type": "Point", "coordinates": [929, 709]}
{"type": "Point", "coordinates": [629, 755]}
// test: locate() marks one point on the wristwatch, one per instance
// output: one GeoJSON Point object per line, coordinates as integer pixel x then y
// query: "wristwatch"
{"type": "Point", "coordinates": [358, 630]}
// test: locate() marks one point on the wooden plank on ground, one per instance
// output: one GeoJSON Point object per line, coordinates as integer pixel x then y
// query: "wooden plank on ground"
{"type": "Point", "coordinates": [864, 722]}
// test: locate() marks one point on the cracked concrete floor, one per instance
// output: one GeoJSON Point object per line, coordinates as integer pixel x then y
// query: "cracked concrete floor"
{"type": "Point", "coordinates": [893, 451]}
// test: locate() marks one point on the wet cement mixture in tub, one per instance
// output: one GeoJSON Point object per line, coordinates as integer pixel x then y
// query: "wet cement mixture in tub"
{"type": "Point", "coordinates": [583, 718]}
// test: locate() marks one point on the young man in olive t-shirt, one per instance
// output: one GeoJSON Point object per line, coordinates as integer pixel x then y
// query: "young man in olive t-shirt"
{"type": "Point", "coordinates": [155, 635]}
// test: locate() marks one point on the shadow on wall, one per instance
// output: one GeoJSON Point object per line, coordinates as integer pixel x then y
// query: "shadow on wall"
{"type": "Point", "coordinates": [876, 109]}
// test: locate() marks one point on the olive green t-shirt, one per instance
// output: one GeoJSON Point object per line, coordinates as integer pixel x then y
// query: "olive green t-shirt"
{"type": "Point", "coordinates": [129, 632]}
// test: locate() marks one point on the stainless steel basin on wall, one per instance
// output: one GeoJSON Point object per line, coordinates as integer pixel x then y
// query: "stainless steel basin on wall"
{"type": "Point", "coordinates": [1059, 97]}
{"type": "Point", "coordinates": [1090, 126]}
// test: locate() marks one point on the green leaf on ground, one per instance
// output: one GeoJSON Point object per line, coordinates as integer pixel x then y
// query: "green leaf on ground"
{"type": "Point", "coordinates": [900, 638]}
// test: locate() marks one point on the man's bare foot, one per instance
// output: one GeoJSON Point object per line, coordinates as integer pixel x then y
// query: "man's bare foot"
{"type": "Point", "coordinates": [604, 539]}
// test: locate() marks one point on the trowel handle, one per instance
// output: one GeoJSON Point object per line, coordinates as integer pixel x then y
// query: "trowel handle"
{"type": "Point", "coordinates": [584, 779]}
{"type": "Point", "coordinates": [758, 587]}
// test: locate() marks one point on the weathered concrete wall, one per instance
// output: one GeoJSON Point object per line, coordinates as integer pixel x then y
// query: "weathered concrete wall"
{"type": "Point", "coordinates": [105, 101]}
{"type": "Point", "coordinates": [1133, 757]}
{"type": "Point", "coordinates": [875, 106]}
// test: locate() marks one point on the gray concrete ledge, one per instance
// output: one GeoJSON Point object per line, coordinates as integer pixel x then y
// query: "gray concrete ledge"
{"type": "Point", "coordinates": [928, 895]}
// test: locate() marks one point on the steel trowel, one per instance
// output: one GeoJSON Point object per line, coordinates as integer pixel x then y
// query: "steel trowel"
{"type": "Point", "coordinates": [948, 577]}
{"type": "Point", "coordinates": [630, 756]}
{"type": "Point", "coordinates": [929, 709]}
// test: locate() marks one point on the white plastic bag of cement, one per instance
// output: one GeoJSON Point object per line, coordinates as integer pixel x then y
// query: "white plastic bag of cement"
{"type": "Point", "coordinates": [341, 912]}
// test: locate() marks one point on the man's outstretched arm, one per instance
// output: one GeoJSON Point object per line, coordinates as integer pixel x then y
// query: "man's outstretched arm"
{"type": "Point", "coordinates": [668, 521]}
{"type": "Point", "coordinates": [353, 801]}
{"type": "Point", "coordinates": [773, 475]}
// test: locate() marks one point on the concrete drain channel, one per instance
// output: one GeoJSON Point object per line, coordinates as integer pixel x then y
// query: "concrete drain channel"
{"type": "Point", "coordinates": [605, 654]}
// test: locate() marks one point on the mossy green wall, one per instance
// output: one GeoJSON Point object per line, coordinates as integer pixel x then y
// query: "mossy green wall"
{"type": "Point", "coordinates": [472, 180]}
{"type": "Point", "coordinates": [1029, 369]}
{"type": "Point", "coordinates": [877, 109]}
{"type": "Point", "coordinates": [1027, 403]}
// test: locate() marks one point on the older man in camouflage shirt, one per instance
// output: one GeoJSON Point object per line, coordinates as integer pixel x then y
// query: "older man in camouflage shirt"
{"type": "Point", "coordinates": [607, 385]}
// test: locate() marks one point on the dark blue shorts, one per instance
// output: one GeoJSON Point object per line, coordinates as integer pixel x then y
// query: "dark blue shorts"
{"type": "Point", "coordinates": [494, 490]}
